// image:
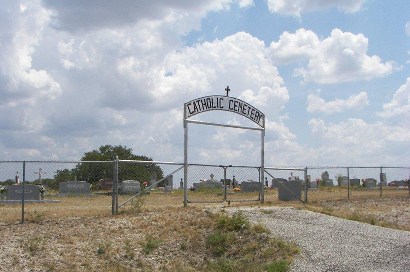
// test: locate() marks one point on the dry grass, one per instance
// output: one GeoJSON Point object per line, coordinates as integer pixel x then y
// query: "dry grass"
{"type": "Point", "coordinates": [158, 234]}
{"type": "Point", "coordinates": [390, 210]}
{"type": "Point", "coordinates": [167, 239]}
{"type": "Point", "coordinates": [365, 204]}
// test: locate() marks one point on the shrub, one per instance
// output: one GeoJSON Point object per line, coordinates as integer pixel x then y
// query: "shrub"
{"type": "Point", "coordinates": [150, 245]}
{"type": "Point", "coordinates": [237, 222]}
{"type": "Point", "coordinates": [278, 266]}
{"type": "Point", "coordinates": [35, 244]}
{"type": "Point", "coordinates": [218, 242]}
{"type": "Point", "coordinates": [102, 248]}
{"type": "Point", "coordinates": [35, 216]}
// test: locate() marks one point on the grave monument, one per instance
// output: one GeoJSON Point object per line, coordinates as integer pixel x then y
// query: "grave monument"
{"type": "Point", "coordinates": [31, 192]}
{"type": "Point", "coordinates": [74, 188]}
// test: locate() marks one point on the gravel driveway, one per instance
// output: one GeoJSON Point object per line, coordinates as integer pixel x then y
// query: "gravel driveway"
{"type": "Point", "coordinates": [329, 243]}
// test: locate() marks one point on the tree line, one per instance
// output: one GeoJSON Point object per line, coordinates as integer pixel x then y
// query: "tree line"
{"type": "Point", "coordinates": [97, 165]}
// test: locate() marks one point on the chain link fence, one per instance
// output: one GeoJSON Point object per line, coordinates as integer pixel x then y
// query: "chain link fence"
{"type": "Point", "coordinates": [333, 183]}
{"type": "Point", "coordinates": [39, 190]}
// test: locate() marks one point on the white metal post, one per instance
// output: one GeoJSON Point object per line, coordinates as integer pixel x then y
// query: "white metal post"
{"type": "Point", "coordinates": [262, 172]}
{"type": "Point", "coordinates": [185, 162]}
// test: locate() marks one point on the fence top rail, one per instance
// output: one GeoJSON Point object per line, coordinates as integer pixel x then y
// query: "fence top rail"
{"type": "Point", "coordinates": [345, 167]}
{"type": "Point", "coordinates": [330, 167]}
{"type": "Point", "coordinates": [223, 165]}
{"type": "Point", "coordinates": [286, 168]}
{"type": "Point", "coordinates": [55, 161]}
{"type": "Point", "coordinates": [151, 162]}
{"type": "Point", "coordinates": [295, 168]}
{"type": "Point", "coordinates": [378, 167]}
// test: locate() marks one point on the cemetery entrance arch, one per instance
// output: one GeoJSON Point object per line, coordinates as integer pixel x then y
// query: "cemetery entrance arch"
{"type": "Point", "coordinates": [227, 104]}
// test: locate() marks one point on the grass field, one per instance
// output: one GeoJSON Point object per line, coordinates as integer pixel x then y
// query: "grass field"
{"type": "Point", "coordinates": [100, 204]}
{"type": "Point", "coordinates": [155, 232]}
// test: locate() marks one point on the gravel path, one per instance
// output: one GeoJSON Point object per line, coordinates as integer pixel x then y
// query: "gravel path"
{"type": "Point", "coordinates": [333, 244]}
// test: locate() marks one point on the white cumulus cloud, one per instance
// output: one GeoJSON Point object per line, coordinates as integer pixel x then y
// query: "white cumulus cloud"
{"type": "Point", "coordinates": [297, 7]}
{"type": "Point", "coordinates": [398, 109]}
{"type": "Point", "coordinates": [355, 141]}
{"type": "Point", "coordinates": [318, 104]}
{"type": "Point", "coordinates": [342, 57]}
{"type": "Point", "coordinates": [239, 61]}
{"type": "Point", "coordinates": [293, 47]}
{"type": "Point", "coordinates": [95, 14]}
{"type": "Point", "coordinates": [23, 82]}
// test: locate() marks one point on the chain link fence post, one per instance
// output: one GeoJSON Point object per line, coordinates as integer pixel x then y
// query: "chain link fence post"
{"type": "Point", "coordinates": [117, 167]}
{"type": "Point", "coordinates": [224, 183]}
{"type": "Point", "coordinates": [381, 181]}
{"type": "Point", "coordinates": [261, 182]}
{"type": "Point", "coordinates": [114, 208]}
{"type": "Point", "coordinates": [408, 184]}
{"type": "Point", "coordinates": [348, 183]}
{"type": "Point", "coordinates": [306, 185]}
{"type": "Point", "coordinates": [23, 193]}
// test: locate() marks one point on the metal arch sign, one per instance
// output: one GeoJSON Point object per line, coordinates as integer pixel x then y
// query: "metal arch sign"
{"type": "Point", "coordinates": [224, 103]}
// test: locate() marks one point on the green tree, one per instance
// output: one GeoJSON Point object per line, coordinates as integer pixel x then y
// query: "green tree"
{"type": "Point", "coordinates": [97, 164]}
{"type": "Point", "coordinates": [49, 183]}
{"type": "Point", "coordinates": [65, 175]}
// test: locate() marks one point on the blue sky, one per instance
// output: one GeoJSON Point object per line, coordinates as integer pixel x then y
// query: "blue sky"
{"type": "Point", "coordinates": [332, 78]}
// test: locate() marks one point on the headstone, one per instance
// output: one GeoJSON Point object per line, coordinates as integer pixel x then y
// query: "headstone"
{"type": "Point", "coordinates": [130, 187]}
{"type": "Point", "coordinates": [234, 182]}
{"type": "Point", "coordinates": [327, 183]}
{"type": "Point", "coordinates": [313, 184]}
{"type": "Point", "coordinates": [382, 184]}
{"type": "Point", "coordinates": [355, 182]}
{"type": "Point", "coordinates": [15, 192]}
{"type": "Point", "coordinates": [276, 181]}
{"type": "Point", "coordinates": [342, 181]}
{"type": "Point", "coordinates": [370, 183]}
{"type": "Point", "coordinates": [208, 184]}
{"type": "Point", "coordinates": [169, 184]}
{"type": "Point", "coordinates": [3, 191]}
{"type": "Point", "coordinates": [250, 186]}
{"type": "Point", "coordinates": [74, 188]}
{"type": "Point", "coordinates": [105, 184]}
{"type": "Point", "coordinates": [290, 190]}
{"type": "Point", "coordinates": [227, 182]}
{"type": "Point", "coordinates": [170, 181]}
{"type": "Point", "coordinates": [153, 180]}
{"type": "Point", "coordinates": [399, 183]}
{"type": "Point", "coordinates": [383, 178]}
{"type": "Point", "coordinates": [325, 175]}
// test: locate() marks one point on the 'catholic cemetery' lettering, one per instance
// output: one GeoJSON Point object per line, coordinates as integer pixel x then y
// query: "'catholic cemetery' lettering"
{"type": "Point", "coordinates": [225, 103]}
